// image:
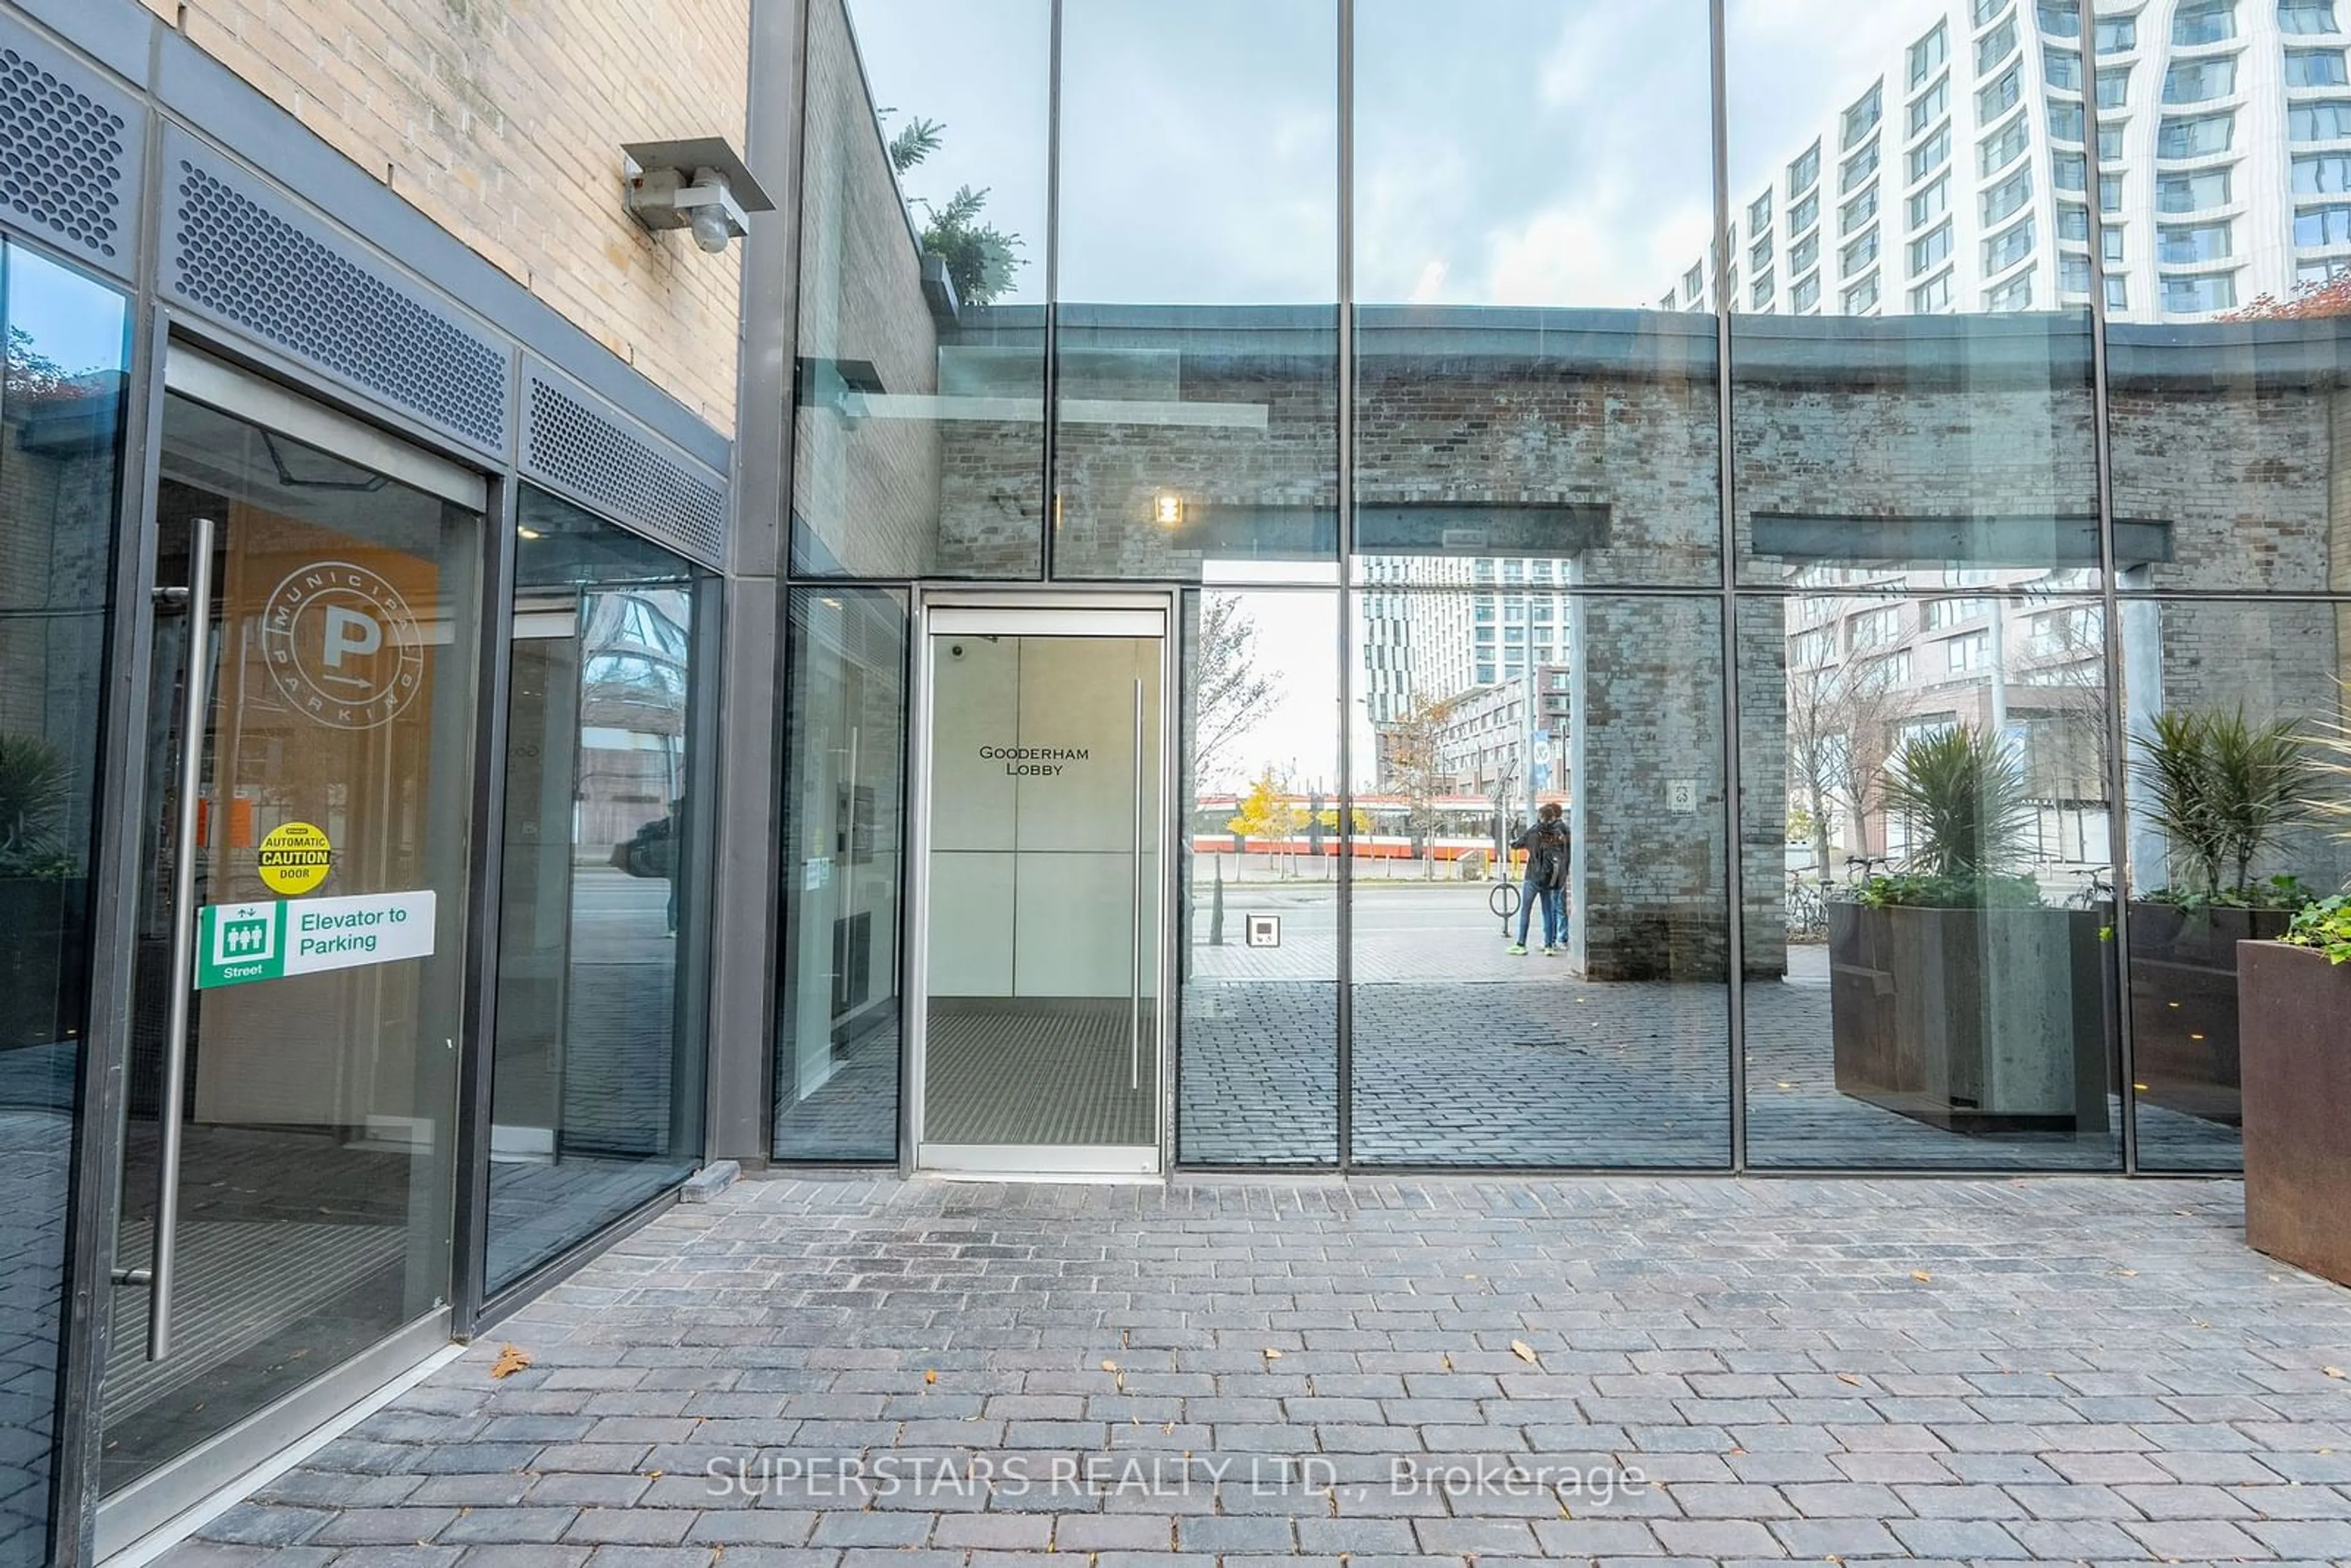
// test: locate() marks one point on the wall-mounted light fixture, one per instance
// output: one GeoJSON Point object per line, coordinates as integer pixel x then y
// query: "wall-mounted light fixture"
{"type": "Point", "coordinates": [697, 184]}
{"type": "Point", "coordinates": [1167, 509]}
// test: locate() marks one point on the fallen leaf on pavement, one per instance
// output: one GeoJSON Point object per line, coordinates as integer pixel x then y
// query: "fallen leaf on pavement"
{"type": "Point", "coordinates": [1109, 1366]}
{"type": "Point", "coordinates": [1848, 1377]}
{"type": "Point", "coordinates": [1921, 1275]}
{"type": "Point", "coordinates": [1518, 1348]}
{"type": "Point", "coordinates": [1271, 1354]}
{"type": "Point", "coordinates": [510, 1361]}
{"type": "Point", "coordinates": [931, 1376]}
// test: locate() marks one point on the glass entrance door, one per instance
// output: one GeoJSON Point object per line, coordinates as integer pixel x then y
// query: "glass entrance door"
{"type": "Point", "coordinates": [287, 1190]}
{"type": "Point", "coordinates": [1041, 900]}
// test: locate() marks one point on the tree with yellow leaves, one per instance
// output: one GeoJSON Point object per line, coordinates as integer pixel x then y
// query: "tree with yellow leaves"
{"type": "Point", "coordinates": [1268, 812]}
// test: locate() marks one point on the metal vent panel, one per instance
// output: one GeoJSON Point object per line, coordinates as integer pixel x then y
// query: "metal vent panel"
{"type": "Point", "coordinates": [236, 253]}
{"type": "Point", "coordinates": [70, 150]}
{"type": "Point", "coordinates": [574, 441]}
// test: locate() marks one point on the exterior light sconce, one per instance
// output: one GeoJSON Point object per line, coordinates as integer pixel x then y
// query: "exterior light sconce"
{"type": "Point", "coordinates": [697, 184]}
{"type": "Point", "coordinates": [1167, 509]}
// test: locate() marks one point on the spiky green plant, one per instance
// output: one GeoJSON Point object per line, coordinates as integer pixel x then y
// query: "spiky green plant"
{"type": "Point", "coordinates": [35, 786]}
{"type": "Point", "coordinates": [2220, 787]}
{"type": "Point", "coordinates": [1963, 794]}
{"type": "Point", "coordinates": [2330, 771]}
{"type": "Point", "coordinates": [2264, 774]}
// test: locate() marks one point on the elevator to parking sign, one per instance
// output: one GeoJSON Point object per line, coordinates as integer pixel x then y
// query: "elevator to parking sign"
{"type": "Point", "coordinates": [237, 944]}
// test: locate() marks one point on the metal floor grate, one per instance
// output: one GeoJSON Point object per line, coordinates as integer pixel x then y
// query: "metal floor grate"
{"type": "Point", "coordinates": [240, 1284]}
{"type": "Point", "coordinates": [1057, 1077]}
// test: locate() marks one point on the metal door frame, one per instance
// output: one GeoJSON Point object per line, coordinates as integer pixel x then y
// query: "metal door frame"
{"type": "Point", "coordinates": [1034, 613]}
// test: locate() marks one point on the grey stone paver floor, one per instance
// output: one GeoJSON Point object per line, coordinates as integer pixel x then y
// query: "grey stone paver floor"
{"type": "Point", "coordinates": [1228, 1369]}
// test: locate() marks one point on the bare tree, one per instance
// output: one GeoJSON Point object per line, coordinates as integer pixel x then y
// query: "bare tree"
{"type": "Point", "coordinates": [1412, 754]}
{"type": "Point", "coordinates": [1230, 690]}
{"type": "Point", "coordinates": [1845, 693]}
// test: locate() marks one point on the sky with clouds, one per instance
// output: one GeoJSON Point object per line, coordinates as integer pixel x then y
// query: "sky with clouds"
{"type": "Point", "coordinates": [1508, 152]}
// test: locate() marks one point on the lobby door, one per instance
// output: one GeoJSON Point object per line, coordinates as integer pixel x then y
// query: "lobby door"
{"type": "Point", "coordinates": [290, 1148]}
{"type": "Point", "coordinates": [1038, 965]}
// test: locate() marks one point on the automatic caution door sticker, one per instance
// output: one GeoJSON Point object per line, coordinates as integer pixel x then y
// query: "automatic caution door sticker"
{"type": "Point", "coordinates": [295, 859]}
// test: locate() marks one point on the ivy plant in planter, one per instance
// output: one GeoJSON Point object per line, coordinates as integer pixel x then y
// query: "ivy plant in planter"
{"type": "Point", "coordinates": [40, 895]}
{"type": "Point", "coordinates": [2219, 788]}
{"type": "Point", "coordinates": [1956, 996]}
{"type": "Point", "coordinates": [2296, 1058]}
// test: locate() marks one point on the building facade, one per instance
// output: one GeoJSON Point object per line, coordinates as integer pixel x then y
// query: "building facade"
{"type": "Point", "coordinates": [1958, 179]}
{"type": "Point", "coordinates": [1019, 660]}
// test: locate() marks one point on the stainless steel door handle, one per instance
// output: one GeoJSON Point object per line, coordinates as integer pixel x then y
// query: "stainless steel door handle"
{"type": "Point", "coordinates": [1134, 944]}
{"type": "Point", "coordinates": [198, 687]}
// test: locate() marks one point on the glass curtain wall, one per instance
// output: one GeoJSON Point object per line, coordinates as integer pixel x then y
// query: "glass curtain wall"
{"type": "Point", "coordinates": [918, 407]}
{"type": "Point", "coordinates": [1923, 647]}
{"type": "Point", "coordinates": [837, 1005]}
{"type": "Point", "coordinates": [1262, 831]}
{"type": "Point", "coordinates": [1534, 423]}
{"type": "Point", "coordinates": [2229, 374]}
{"type": "Point", "coordinates": [1628, 458]}
{"type": "Point", "coordinates": [60, 470]}
{"type": "Point", "coordinates": [596, 1092]}
{"type": "Point", "coordinates": [1197, 351]}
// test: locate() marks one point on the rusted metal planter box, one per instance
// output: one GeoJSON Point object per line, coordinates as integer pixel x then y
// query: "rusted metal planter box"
{"type": "Point", "coordinates": [2294, 1043]}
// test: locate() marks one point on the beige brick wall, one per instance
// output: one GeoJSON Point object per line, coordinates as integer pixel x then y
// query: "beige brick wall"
{"type": "Point", "coordinates": [502, 120]}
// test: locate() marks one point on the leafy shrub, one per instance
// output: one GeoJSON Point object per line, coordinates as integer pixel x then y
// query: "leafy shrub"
{"type": "Point", "coordinates": [2326, 926]}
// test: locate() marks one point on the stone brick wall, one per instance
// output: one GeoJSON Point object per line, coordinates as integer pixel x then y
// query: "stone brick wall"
{"type": "Point", "coordinates": [504, 123]}
{"type": "Point", "coordinates": [2247, 481]}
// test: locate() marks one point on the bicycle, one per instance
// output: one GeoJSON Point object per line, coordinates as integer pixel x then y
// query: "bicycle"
{"type": "Point", "coordinates": [1808, 910]}
{"type": "Point", "coordinates": [2095, 889]}
{"type": "Point", "coordinates": [1865, 863]}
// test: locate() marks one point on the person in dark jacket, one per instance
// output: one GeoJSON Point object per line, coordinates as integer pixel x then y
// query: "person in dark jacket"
{"type": "Point", "coordinates": [1549, 848]}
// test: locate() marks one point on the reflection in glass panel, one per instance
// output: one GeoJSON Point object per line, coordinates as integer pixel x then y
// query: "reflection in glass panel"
{"type": "Point", "coordinates": [1533, 182]}
{"type": "Point", "coordinates": [2227, 369]}
{"type": "Point", "coordinates": [837, 1015]}
{"type": "Point", "coordinates": [1257, 1077]}
{"type": "Point", "coordinates": [2192, 672]}
{"type": "Point", "coordinates": [1198, 411]}
{"type": "Point", "coordinates": [1928, 752]}
{"type": "Point", "coordinates": [918, 397]}
{"type": "Point", "coordinates": [61, 455]}
{"type": "Point", "coordinates": [1591, 1028]}
{"type": "Point", "coordinates": [1954, 429]}
{"type": "Point", "coordinates": [596, 1089]}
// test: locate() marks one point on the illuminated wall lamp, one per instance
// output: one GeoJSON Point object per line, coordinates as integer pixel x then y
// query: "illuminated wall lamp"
{"type": "Point", "coordinates": [1167, 509]}
{"type": "Point", "coordinates": [696, 183]}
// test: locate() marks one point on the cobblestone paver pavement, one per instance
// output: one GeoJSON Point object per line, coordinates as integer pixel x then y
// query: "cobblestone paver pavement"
{"type": "Point", "coordinates": [1636, 1370]}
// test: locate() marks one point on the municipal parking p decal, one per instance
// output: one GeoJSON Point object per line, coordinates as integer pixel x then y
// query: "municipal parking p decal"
{"type": "Point", "coordinates": [342, 645]}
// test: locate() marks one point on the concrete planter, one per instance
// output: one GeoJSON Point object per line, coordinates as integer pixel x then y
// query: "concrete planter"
{"type": "Point", "coordinates": [2297, 1063]}
{"type": "Point", "coordinates": [2184, 1002]}
{"type": "Point", "coordinates": [1973, 1020]}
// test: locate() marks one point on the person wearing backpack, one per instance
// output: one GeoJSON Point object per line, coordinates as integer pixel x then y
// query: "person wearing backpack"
{"type": "Point", "coordinates": [1547, 847]}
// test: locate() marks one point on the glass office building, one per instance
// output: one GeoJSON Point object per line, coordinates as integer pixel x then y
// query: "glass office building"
{"type": "Point", "coordinates": [1206, 473]}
